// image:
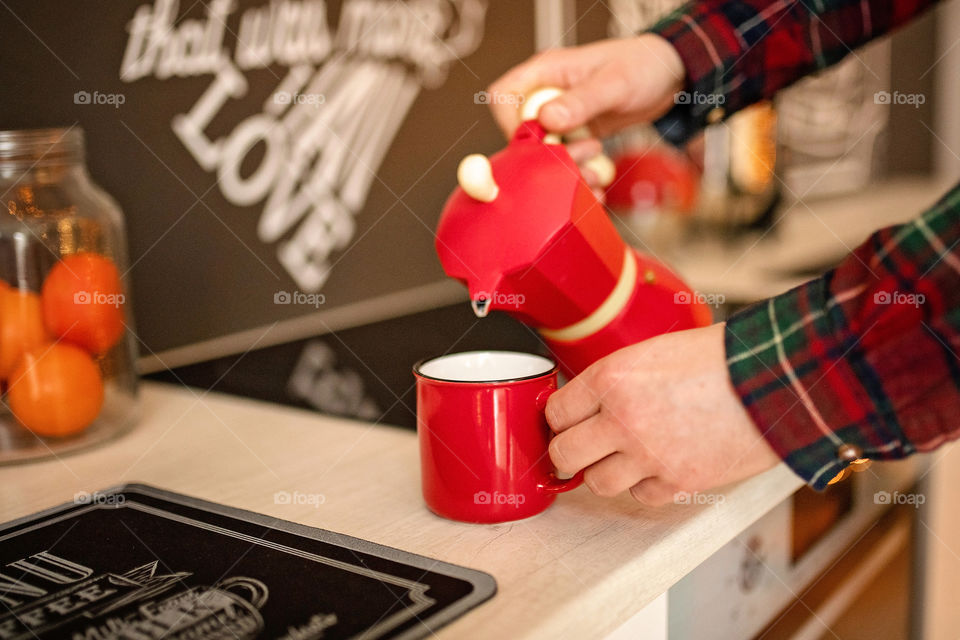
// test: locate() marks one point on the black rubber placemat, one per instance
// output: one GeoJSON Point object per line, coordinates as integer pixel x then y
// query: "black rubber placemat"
{"type": "Point", "coordinates": [139, 562]}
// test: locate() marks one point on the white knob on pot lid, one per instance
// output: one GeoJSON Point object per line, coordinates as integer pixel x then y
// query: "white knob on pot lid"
{"type": "Point", "coordinates": [475, 176]}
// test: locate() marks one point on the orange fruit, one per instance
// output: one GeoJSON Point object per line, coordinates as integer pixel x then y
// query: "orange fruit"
{"type": "Point", "coordinates": [21, 327]}
{"type": "Point", "coordinates": [83, 301]}
{"type": "Point", "coordinates": [56, 390]}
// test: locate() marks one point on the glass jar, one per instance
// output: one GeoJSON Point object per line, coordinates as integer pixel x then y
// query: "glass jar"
{"type": "Point", "coordinates": [66, 339]}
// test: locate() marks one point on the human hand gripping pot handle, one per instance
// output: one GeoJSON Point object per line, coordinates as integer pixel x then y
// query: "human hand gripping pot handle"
{"type": "Point", "coordinates": [657, 418]}
{"type": "Point", "coordinates": [607, 86]}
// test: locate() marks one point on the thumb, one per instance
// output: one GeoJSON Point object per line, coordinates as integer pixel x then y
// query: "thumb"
{"type": "Point", "coordinates": [601, 92]}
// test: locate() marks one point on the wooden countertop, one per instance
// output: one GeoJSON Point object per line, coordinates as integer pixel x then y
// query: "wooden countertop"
{"type": "Point", "coordinates": [578, 570]}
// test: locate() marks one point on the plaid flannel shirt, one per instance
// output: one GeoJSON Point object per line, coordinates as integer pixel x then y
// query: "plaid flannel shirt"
{"type": "Point", "coordinates": [865, 360]}
{"type": "Point", "coordinates": [737, 52]}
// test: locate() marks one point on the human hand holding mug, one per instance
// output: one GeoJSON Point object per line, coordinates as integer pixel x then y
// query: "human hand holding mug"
{"type": "Point", "coordinates": [657, 418]}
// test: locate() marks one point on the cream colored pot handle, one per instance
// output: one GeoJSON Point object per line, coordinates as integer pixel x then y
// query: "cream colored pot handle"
{"type": "Point", "coordinates": [600, 164]}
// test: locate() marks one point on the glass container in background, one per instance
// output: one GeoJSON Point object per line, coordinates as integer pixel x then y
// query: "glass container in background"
{"type": "Point", "coordinates": [66, 340]}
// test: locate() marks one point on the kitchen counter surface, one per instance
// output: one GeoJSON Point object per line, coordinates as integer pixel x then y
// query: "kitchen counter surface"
{"type": "Point", "coordinates": [579, 570]}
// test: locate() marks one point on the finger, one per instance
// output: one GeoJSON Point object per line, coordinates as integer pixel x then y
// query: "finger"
{"type": "Point", "coordinates": [505, 112]}
{"type": "Point", "coordinates": [582, 151]}
{"type": "Point", "coordinates": [588, 442]}
{"type": "Point", "coordinates": [593, 181]}
{"type": "Point", "coordinates": [585, 149]}
{"type": "Point", "coordinates": [519, 81]}
{"type": "Point", "coordinates": [613, 475]}
{"type": "Point", "coordinates": [554, 67]}
{"type": "Point", "coordinates": [573, 403]}
{"type": "Point", "coordinates": [597, 94]}
{"type": "Point", "coordinates": [606, 125]}
{"type": "Point", "coordinates": [654, 492]}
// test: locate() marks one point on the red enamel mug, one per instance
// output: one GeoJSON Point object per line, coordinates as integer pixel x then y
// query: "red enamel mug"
{"type": "Point", "coordinates": [484, 437]}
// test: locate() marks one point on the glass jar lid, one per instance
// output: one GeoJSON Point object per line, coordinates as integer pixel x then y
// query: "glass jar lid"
{"type": "Point", "coordinates": [26, 148]}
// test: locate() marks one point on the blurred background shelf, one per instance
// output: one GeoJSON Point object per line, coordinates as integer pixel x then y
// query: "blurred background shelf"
{"type": "Point", "coordinates": [805, 239]}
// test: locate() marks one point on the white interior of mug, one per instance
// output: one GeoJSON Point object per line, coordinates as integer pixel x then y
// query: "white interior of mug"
{"type": "Point", "coordinates": [485, 366]}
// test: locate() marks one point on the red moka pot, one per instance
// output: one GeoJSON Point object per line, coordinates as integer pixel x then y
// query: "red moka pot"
{"type": "Point", "coordinates": [526, 234]}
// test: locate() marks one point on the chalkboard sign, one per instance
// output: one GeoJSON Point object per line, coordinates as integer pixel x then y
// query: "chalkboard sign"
{"type": "Point", "coordinates": [281, 164]}
{"type": "Point", "coordinates": [138, 562]}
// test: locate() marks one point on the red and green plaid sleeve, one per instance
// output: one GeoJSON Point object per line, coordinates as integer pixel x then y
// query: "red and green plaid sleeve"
{"type": "Point", "coordinates": [863, 361]}
{"type": "Point", "coordinates": [737, 52]}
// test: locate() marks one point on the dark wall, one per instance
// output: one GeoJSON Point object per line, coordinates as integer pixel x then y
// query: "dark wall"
{"type": "Point", "coordinates": [201, 267]}
{"type": "Point", "coordinates": [363, 372]}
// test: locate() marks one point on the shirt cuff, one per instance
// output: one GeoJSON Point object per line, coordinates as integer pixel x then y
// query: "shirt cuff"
{"type": "Point", "coordinates": [805, 382]}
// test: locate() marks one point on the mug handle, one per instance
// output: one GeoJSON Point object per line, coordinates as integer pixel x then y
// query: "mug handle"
{"type": "Point", "coordinates": [554, 484]}
{"type": "Point", "coordinates": [561, 485]}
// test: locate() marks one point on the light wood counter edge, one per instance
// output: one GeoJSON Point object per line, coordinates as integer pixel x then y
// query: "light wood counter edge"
{"type": "Point", "coordinates": [577, 571]}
